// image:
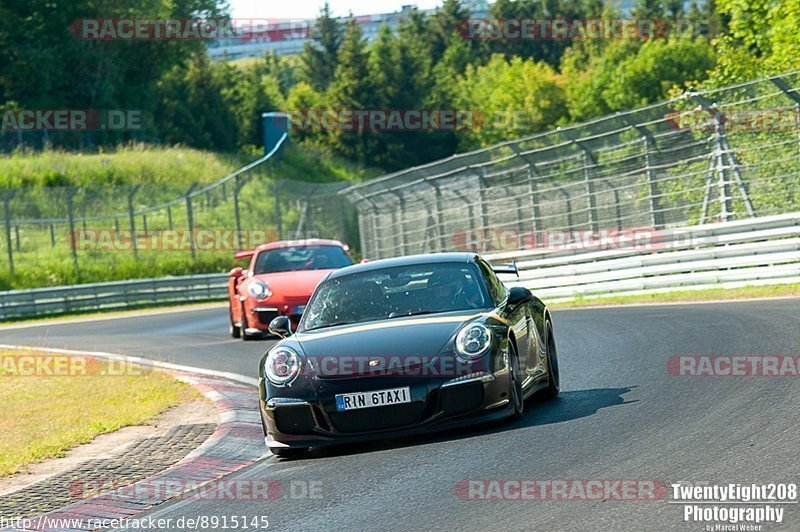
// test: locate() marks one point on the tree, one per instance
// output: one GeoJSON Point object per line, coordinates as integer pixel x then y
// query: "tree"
{"type": "Point", "coordinates": [351, 90]}
{"type": "Point", "coordinates": [192, 109]}
{"type": "Point", "coordinates": [515, 97]}
{"type": "Point", "coordinates": [630, 74]}
{"type": "Point", "coordinates": [762, 40]}
{"type": "Point", "coordinates": [649, 9]}
{"type": "Point", "coordinates": [320, 57]}
{"type": "Point", "coordinates": [444, 25]}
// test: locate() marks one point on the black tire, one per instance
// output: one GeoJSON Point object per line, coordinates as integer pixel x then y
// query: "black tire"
{"type": "Point", "coordinates": [289, 452]}
{"type": "Point", "coordinates": [516, 394]}
{"type": "Point", "coordinates": [234, 330]}
{"type": "Point", "coordinates": [553, 375]}
{"type": "Point", "coordinates": [244, 335]}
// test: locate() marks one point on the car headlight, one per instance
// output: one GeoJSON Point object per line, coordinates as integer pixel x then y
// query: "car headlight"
{"type": "Point", "coordinates": [282, 366]}
{"type": "Point", "coordinates": [473, 341]}
{"type": "Point", "coordinates": [259, 290]}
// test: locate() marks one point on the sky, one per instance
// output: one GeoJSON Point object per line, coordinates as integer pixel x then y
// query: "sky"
{"type": "Point", "coordinates": [310, 8]}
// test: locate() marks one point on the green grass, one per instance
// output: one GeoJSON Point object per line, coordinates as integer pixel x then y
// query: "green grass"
{"type": "Point", "coordinates": [686, 296]}
{"type": "Point", "coordinates": [168, 166]}
{"type": "Point", "coordinates": [164, 174]}
{"type": "Point", "coordinates": [87, 406]}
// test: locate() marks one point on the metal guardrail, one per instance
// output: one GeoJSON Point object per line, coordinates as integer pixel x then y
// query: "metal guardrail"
{"type": "Point", "coordinates": [38, 302]}
{"type": "Point", "coordinates": [724, 255]}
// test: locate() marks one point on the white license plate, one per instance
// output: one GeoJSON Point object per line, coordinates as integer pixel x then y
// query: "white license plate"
{"type": "Point", "coordinates": [354, 401]}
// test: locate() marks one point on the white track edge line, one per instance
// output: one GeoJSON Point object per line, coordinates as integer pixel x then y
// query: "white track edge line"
{"type": "Point", "coordinates": [141, 361]}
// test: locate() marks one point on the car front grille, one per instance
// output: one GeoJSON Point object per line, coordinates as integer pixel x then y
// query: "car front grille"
{"type": "Point", "coordinates": [266, 316]}
{"type": "Point", "coordinates": [377, 419]}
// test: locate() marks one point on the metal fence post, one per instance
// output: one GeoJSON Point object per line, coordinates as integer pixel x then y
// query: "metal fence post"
{"type": "Point", "coordinates": [16, 238]}
{"type": "Point", "coordinates": [132, 218]}
{"type": "Point", "coordinates": [440, 220]}
{"type": "Point", "coordinates": [309, 226]}
{"type": "Point", "coordinates": [52, 236]}
{"type": "Point", "coordinates": [520, 217]}
{"type": "Point", "coordinates": [533, 193]}
{"type": "Point", "coordinates": [71, 219]}
{"type": "Point", "coordinates": [169, 217]}
{"type": "Point", "coordinates": [376, 232]}
{"type": "Point", "coordinates": [190, 220]}
{"type": "Point", "coordinates": [730, 162]}
{"type": "Point", "coordinates": [278, 214]}
{"type": "Point", "coordinates": [402, 233]}
{"type": "Point", "coordinates": [722, 183]}
{"type": "Point", "coordinates": [8, 195]}
{"type": "Point", "coordinates": [656, 218]}
{"type": "Point", "coordinates": [342, 225]}
{"type": "Point", "coordinates": [237, 186]}
{"type": "Point", "coordinates": [481, 201]}
{"type": "Point", "coordinates": [398, 238]}
{"type": "Point", "coordinates": [591, 200]}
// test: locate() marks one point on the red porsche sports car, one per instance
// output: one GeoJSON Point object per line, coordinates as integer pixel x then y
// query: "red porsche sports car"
{"type": "Point", "coordinates": [279, 281]}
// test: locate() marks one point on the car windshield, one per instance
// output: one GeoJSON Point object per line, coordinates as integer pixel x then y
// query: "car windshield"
{"type": "Point", "coordinates": [301, 258]}
{"type": "Point", "coordinates": [394, 293]}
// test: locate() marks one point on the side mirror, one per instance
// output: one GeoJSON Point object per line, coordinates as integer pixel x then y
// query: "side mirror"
{"type": "Point", "coordinates": [280, 326]}
{"type": "Point", "coordinates": [236, 272]}
{"type": "Point", "coordinates": [518, 295]}
{"type": "Point", "coordinates": [364, 261]}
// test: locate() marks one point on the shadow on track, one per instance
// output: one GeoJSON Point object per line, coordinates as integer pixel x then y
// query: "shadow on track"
{"type": "Point", "coordinates": [568, 406]}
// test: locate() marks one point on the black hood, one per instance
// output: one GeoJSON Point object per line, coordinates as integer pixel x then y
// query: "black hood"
{"type": "Point", "coordinates": [395, 343]}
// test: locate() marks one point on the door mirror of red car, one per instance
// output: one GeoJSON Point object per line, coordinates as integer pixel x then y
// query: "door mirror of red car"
{"type": "Point", "coordinates": [280, 326]}
{"type": "Point", "coordinates": [237, 272]}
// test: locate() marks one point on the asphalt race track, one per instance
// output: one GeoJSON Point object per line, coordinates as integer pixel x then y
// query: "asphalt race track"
{"type": "Point", "coordinates": [621, 415]}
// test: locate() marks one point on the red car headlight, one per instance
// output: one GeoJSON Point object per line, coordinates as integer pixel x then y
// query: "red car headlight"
{"type": "Point", "coordinates": [259, 290]}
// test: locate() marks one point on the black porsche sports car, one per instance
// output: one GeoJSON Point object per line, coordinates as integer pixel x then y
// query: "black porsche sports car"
{"type": "Point", "coordinates": [401, 346]}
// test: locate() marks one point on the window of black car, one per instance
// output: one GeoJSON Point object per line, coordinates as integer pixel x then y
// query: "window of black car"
{"type": "Point", "coordinates": [301, 258]}
{"type": "Point", "coordinates": [396, 292]}
{"type": "Point", "coordinates": [496, 287]}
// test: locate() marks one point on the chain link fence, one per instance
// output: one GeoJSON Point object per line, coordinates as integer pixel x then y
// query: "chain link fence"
{"type": "Point", "coordinates": [715, 155]}
{"type": "Point", "coordinates": [85, 234]}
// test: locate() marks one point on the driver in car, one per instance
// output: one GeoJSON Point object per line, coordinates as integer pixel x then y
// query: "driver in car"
{"type": "Point", "coordinates": [451, 292]}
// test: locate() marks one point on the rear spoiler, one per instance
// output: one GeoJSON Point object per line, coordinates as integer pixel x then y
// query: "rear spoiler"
{"type": "Point", "coordinates": [244, 254]}
{"type": "Point", "coordinates": [510, 268]}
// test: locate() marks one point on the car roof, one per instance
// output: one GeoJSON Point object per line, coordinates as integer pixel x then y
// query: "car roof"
{"type": "Point", "coordinates": [409, 260]}
{"type": "Point", "coordinates": [300, 243]}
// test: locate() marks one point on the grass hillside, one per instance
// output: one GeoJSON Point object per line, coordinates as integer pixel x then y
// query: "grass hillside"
{"type": "Point", "coordinates": [42, 180]}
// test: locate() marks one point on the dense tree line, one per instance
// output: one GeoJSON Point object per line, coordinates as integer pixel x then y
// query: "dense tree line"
{"type": "Point", "coordinates": [428, 63]}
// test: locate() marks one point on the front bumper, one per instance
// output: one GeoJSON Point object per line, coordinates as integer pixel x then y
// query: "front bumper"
{"type": "Point", "coordinates": [436, 404]}
{"type": "Point", "coordinates": [261, 316]}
